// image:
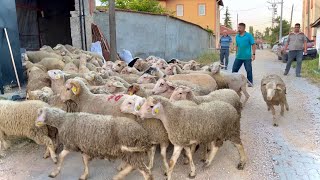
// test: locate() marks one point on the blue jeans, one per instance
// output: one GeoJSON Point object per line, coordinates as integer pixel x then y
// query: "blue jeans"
{"type": "Point", "coordinates": [297, 54]}
{"type": "Point", "coordinates": [224, 54]}
{"type": "Point", "coordinates": [247, 65]}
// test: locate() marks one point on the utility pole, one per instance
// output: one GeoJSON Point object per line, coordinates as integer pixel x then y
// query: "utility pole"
{"type": "Point", "coordinates": [308, 6]}
{"type": "Point", "coordinates": [112, 29]}
{"type": "Point", "coordinates": [237, 19]}
{"type": "Point", "coordinates": [291, 16]}
{"type": "Point", "coordinates": [280, 33]}
{"type": "Point", "coordinates": [273, 9]}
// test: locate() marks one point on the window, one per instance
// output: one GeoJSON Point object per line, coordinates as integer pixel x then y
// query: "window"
{"type": "Point", "coordinates": [179, 10]}
{"type": "Point", "coordinates": [202, 9]}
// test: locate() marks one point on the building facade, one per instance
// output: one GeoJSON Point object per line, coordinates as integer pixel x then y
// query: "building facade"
{"type": "Point", "coordinates": [310, 13]}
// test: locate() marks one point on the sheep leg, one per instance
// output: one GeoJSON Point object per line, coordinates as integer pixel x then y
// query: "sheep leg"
{"type": "Point", "coordinates": [176, 153]}
{"type": "Point", "coordinates": [275, 123]}
{"type": "Point", "coordinates": [243, 157]}
{"type": "Point", "coordinates": [4, 145]}
{"type": "Point", "coordinates": [282, 109]}
{"type": "Point", "coordinates": [204, 155]}
{"type": "Point", "coordinates": [50, 146]}
{"type": "Point", "coordinates": [151, 154]}
{"type": "Point", "coordinates": [192, 166]}
{"type": "Point", "coordinates": [246, 94]}
{"type": "Point", "coordinates": [62, 155]}
{"type": "Point", "coordinates": [123, 173]}
{"type": "Point", "coordinates": [163, 147]}
{"type": "Point", "coordinates": [286, 104]}
{"type": "Point", "coordinates": [86, 160]}
{"type": "Point", "coordinates": [212, 154]}
{"type": "Point", "coordinates": [193, 149]}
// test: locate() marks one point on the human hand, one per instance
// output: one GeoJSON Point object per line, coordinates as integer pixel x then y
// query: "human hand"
{"type": "Point", "coordinates": [305, 52]}
{"type": "Point", "coordinates": [253, 57]}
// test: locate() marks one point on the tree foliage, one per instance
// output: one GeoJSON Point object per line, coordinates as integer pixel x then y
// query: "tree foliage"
{"type": "Point", "coordinates": [272, 34]}
{"type": "Point", "coordinates": [227, 19]}
{"type": "Point", "coordinates": [139, 5]}
{"type": "Point", "coordinates": [251, 30]}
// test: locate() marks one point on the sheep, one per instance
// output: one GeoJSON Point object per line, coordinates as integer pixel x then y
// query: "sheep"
{"type": "Point", "coordinates": [274, 92]}
{"type": "Point", "coordinates": [212, 122]}
{"type": "Point", "coordinates": [17, 119]}
{"type": "Point", "coordinates": [225, 95]}
{"type": "Point", "coordinates": [37, 56]}
{"type": "Point", "coordinates": [146, 78]}
{"type": "Point", "coordinates": [154, 127]}
{"type": "Point", "coordinates": [116, 78]}
{"type": "Point", "coordinates": [57, 80]}
{"type": "Point", "coordinates": [141, 65]}
{"type": "Point", "coordinates": [118, 66]}
{"type": "Point", "coordinates": [139, 90]}
{"type": "Point", "coordinates": [235, 81]}
{"type": "Point", "coordinates": [82, 65]}
{"type": "Point", "coordinates": [98, 136]}
{"type": "Point", "coordinates": [115, 87]}
{"type": "Point", "coordinates": [155, 71]}
{"type": "Point", "coordinates": [130, 70]}
{"type": "Point", "coordinates": [40, 94]}
{"type": "Point", "coordinates": [52, 63]}
{"type": "Point", "coordinates": [47, 49]}
{"type": "Point", "coordinates": [29, 65]}
{"type": "Point", "coordinates": [37, 79]}
{"type": "Point", "coordinates": [133, 78]}
{"type": "Point", "coordinates": [71, 68]}
{"type": "Point", "coordinates": [204, 81]}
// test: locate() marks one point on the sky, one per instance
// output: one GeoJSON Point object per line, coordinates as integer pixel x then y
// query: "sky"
{"type": "Point", "coordinates": [256, 13]}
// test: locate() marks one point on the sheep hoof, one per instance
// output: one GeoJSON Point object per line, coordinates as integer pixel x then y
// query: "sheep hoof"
{"type": "Point", "coordinates": [83, 177]}
{"type": "Point", "coordinates": [52, 176]}
{"type": "Point", "coordinates": [192, 176]}
{"type": "Point", "coordinates": [206, 164]}
{"type": "Point", "coordinates": [275, 125]}
{"type": "Point", "coordinates": [241, 166]}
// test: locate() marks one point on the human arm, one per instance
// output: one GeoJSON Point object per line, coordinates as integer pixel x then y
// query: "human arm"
{"type": "Point", "coordinates": [253, 45]}
{"type": "Point", "coordinates": [305, 45]}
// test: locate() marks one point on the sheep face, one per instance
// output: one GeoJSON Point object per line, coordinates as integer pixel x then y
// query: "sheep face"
{"type": "Point", "coordinates": [108, 65]}
{"type": "Point", "coordinates": [161, 86]}
{"type": "Point", "coordinates": [170, 70]}
{"type": "Point", "coordinates": [55, 74]}
{"type": "Point", "coordinates": [272, 89]}
{"type": "Point", "coordinates": [150, 109]}
{"type": "Point", "coordinates": [187, 67]}
{"type": "Point", "coordinates": [132, 104]}
{"type": "Point", "coordinates": [133, 89]}
{"type": "Point", "coordinates": [146, 78]}
{"type": "Point", "coordinates": [41, 117]}
{"type": "Point", "coordinates": [215, 67]}
{"type": "Point", "coordinates": [180, 93]}
{"type": "Point", "coordinates": [113, 86]}
{"type": "Point", "coordinates": [118, 66]}
{"type": "Point", "coordinates": [71, 90]}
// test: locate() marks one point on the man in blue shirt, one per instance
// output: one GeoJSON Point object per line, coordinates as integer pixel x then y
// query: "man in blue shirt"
{"type": "Point", "coordinates": [224, 45]}
{"type": "Point", "coordinates": [245, 52]}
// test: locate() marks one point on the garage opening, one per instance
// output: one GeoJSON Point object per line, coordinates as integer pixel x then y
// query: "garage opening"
{"type": "Point", "coordinates": [44, 22]}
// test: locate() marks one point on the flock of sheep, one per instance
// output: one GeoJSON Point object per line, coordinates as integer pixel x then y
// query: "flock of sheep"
{"type": "Point", "coordinates": [109, 110]}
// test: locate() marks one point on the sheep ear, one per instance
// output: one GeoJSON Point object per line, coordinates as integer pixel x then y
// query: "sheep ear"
{"type": "Point", "coordinates": [118, 84]}
{"type": "Point", "coordinates": [75, 88]}
{"type": "Point", "coordinates": [156, 109]}
{"type": "Point", "coordinates": [279, 87]}
{"type": "Point", "coordinates": [138, 104]}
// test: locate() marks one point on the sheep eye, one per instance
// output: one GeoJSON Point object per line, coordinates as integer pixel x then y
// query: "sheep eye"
{"type": "Point", "coordinates": [180, 93]}
{"type": "Point", "coordinates": [129, 103]}
{"type": "Point", "coordinates": [68, 89]}
{"type": "Point", "coordinates": [161, 84]}
{"type": "Point", "coordinates": [119, 65]}
{"type": "Point", "coordinates": [151, 107]}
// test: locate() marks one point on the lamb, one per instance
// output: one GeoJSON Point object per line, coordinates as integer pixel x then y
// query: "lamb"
{"type": "Point", "coordinates": [225, 95]}
{"type": "Point", "coordinates": [137, 89]}
{"type": "Point", "coordinates": [82, 65]}
{"type": "Point", "coordinates": [155, 71]}
{"type": "Point", "coordinates": [116, 78]}
{"type": "Point", "coordinates": [98, 136]}
{"type": "Point", "coordinates": [235, 81]}
{"type": "Point", "coordinates": [212, 122]}
{"type": "Point", "coordinates": [57, 80]}
{"type": "Point", "coordinates": [115, 87]}
{"type": "Point", "coordinates": [52, 63]}
{"type": "Point", "coordinates": [204, 81]}
{"type": "Point", "coordinates": [41, 94]}
{"type": "Point", "coordinates": [130, 70]}
{"type": "Point", "coordinates": [47, 49]}
{"type": "Point", "coordinates": [141, 65]}
{"type": "Point", "coordinates": [146, 78]}
{"type": "Point", "coordinates": [118, 66]}
{"type": "Point", "coordinates": [37, 56]}
{"type": "Point", "coordinates": [71, 68]}
{"type": "Point", "coordinates": [17, 119]}
{"type": "Point", "coordinates": [274, 92]}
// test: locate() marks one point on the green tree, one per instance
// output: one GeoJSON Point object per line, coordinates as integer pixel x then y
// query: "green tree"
{"type": "Point", "coordinates": [227, 19]}
{"type": "Point", "coordinates": [251, 30]}
{"type": "Point", "coordinates": [139, 5]}
{"type": "Point", "coordinates": [258, 34]}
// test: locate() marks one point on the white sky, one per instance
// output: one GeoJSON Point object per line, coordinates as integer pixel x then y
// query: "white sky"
{"type": "Point", "coordinates": [256, 13]}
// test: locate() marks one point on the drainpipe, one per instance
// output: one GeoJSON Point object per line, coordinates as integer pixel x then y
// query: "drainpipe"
{"type": "Point", "coordinates": [80, 19]}
{"type": "Point", "coordinates": [84, 25]}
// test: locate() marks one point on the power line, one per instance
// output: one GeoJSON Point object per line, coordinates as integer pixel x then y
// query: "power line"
{"type": "Point", "coordinates": [246, 9]}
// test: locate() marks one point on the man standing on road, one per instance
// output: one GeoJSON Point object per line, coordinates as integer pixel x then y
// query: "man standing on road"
{"type": "Point", "coordinates": [224, 45]}
{"type": "Point", "coordinates": [245, 52]}
{"type": "Point", "coordinates": [297, 44]}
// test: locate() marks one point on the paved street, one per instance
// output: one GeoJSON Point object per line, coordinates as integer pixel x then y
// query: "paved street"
{"type": "Point", "coordinates": [290, 151]}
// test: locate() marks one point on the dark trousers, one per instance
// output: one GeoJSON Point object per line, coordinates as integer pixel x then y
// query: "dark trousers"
{"type": "Point", "coordinates": [247, 65]}
{"type": "Point", "coordinates": [298, 55]}
{"type": "Point", "coordinates": [224, 54]}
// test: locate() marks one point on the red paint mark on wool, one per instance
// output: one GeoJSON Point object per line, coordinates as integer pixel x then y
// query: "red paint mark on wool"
{"type": "Point", "coordinates": [116, 97]}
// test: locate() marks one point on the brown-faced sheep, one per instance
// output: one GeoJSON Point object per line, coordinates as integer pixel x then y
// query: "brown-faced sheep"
{"type": "Point", "coordinates": [225, 95]}
{"type": "Point", "coordinates": [213, 122]}
{"type": "Point", "coordinates": [138, 90]}
{"type": "Point", "coordinates": [17, 119]}
{"type": "Point", "coordinates": [37, 79]}
{"type": "Point", "coordinates": [235, 81]}
{"type": "Point", "coordinates": [40, 94]}
{"type": "Point", "coordinates": [118, 66]}
{"type": "Point", "coordinates": [98, 136]}
{"type": "Point", "coordinates": [274, 92]}
{"type": "Point", "coordinates": [141, 65]}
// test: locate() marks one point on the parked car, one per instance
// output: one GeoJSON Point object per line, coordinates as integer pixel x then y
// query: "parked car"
{"type": "Point", "coordinates": [275, 48]}
{"type": "Point", "coordinates": [283, 55]}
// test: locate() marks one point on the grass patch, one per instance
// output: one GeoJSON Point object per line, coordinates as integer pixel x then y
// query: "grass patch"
{"type": "Point", "coordinates": [310, 69]}
{"type": "Point", "coordinates": [208, 58]}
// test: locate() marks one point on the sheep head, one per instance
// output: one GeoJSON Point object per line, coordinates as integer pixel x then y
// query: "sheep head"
{"type": "Point", "coordinates": [55, 74]}
{"type": "Point", "coordinates": [170, 70]}
{"type": "Point", "coordinates": [150, 108]}
{"type": "Point", "coordinates": [113, 86]}
{"type": "Point", "coordinates": [46, 113]}
{"type": "Point", "coordinates": [133, 89]}
{"type": "Point", "coordinates": [118, 66]}
{"type": "Point", "coordinates": [215, 67]}
{"type": "Point", "coordinates": [162, 86]}
{"type": "Point", "coordinates": [132, 104]}
{"type": "Point", "coordinates": [71, 90]}
{"type": "Point", "coordinates": [272, 89]}
{"type": "Point", "coordinates": [146, 78]}
{"type": "Point", "coordinates": [181, 93]}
